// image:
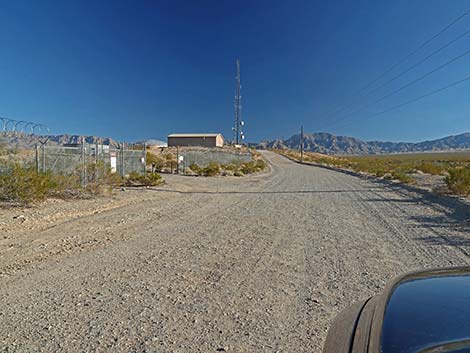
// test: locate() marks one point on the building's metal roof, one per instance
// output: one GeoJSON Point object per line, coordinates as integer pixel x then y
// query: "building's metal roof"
{"type": "Point", "coordinates": [195, 135]}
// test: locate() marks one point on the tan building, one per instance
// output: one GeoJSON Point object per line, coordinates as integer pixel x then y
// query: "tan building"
{"type": "Point", "coordinates": [204, 140]}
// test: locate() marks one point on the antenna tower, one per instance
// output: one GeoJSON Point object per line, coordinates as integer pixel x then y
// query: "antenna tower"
{"type": "Point", "coordinates": [237, 128]}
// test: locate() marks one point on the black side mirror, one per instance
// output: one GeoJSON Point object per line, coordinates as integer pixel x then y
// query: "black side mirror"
{"type": "Point", "coordinates": [419, 312]}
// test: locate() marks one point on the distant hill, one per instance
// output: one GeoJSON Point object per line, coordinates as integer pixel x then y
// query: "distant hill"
{"type": "Point", "coordinates": [331, 144]}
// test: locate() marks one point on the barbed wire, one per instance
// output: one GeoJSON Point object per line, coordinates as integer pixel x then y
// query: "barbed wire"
{"type": "Point", "coordinates": [13, 127]}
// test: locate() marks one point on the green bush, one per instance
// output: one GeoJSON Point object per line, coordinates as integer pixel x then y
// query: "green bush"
{"type": "Point", "coordinates": [149, 179]}
{"type": "Point", "coordinates": [458, 180]}
{"type": "Point", "coordinates": [402, 177]}
{"type": "Point", "coordinates": [260, 164]}
{"type": "Point", "coordinates": [253, 166]}
{"type": "Point", "coordinates": [196, 168]}
{"type": "Point", "coordinates": [24, 186]}
{"type": "Point", "coordinates": [212, 169]}
{"type": "Point", "coordinates": [379, 173]}
{"type": "Point", "coordinates": [151, 158]}
{"type": "Point", "coordinates": [152, 179]}
{"type": "Point", "coordinates": [430, 168]}
{"type": "Point", "coordinates": [231, 166]}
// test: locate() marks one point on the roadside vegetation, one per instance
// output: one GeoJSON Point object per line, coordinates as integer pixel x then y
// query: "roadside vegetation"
{"type": "Point", "coordinates": [453, 168]}
{"type": "Point", "coordinates": [235, 168]}
{"type": "Point", "coordinates": [25, 186]}
{"type": "Point", "coordinates": [458, 180]}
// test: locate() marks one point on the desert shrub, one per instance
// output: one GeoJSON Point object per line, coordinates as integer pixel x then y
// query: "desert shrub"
{"type": "Point", "coordinates": [151, 158]}
{"type": "Point", "coordinates": [260, 164]}
{"type": "Point", "coordinates": [253, 166]}
{"type": "Point", "coordinates": [231, 166]}
{"type": "Point", "coordinates": [64, 186]}
{"type": "Point", "coordinates": [99, 179]}
{"type": "Point", "coordinates": [248, 168]}
{"type": "Point", "coordinates": [402, 177]}
{"type": "Point", "coordinates": [24, 186]}
{"type": "Point", "coordinates": [458, 180]}
{"type": "Point", "coordinates": [137, 179]}
{"type": "Point", "coordinates": [379, 173]}
{"type": "Point", "coordinates": [430, 168]}
{"type": "Point", "coordinates": [152, 179]}
{"type": "Point", "coordinates": [212, 169]}
{"type": "Point", "coordinates": [196, 168]}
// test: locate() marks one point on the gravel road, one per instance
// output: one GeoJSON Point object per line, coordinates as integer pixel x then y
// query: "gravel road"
{"type": "Point", "coordinates": [254, 264]}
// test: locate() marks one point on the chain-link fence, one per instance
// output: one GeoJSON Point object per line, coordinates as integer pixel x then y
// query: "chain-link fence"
{"type": "Point", "coordinates": [81, 158]}
{"type": "Point", "coordinates": [204, 157]}
{"type": "Point", "coordinates": [11, 153]}
{"type": "Point", "coordinates": [75, 159]}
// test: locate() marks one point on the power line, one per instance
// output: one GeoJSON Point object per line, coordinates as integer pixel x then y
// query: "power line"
{"type": "Point", "coordinates": [420, 97]}
{"type": "Point", "coordinates": [422, 60]}
{"type": "Point", "coordinates": [399, 62]}
{"type": "Point", "coordinates": [419, 48]}
{"type": "Point", "coordinates": [401, 88]}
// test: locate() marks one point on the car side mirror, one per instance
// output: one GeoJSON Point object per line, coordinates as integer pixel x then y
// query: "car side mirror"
{"type": "Point", "coordinates": [419, 312]}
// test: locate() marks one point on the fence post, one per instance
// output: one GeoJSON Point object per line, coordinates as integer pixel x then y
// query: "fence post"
{"type": "Point", "coordinates": [145, 158]}
{"type": "Point", "coordinates": [44, 158]}
{"type": "Point", "coordinates": [83, 163]}
{"type": "Point", "coordinates": [177, 160]}
{"type": "Point", "coordinates": [37, 158]}
{"type": "Point", "coordinates": [122, 160]}
{"type": "Point", "coordinates": [96, 161]}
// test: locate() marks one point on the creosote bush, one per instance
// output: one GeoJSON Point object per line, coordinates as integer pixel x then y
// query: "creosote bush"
{"type": "Point", "coordinates": [196, 168]}
{"type": "Point", "coordinates": [430, 168]}
{"type": "Point", "coordinates": [24, 186]}
{"type": "Point", "coordinates": [402, 177]}
{"type": "Point", "coordinates": [149, 179]}
{"type": "Point", "coordinates": [458, 180]}
{"type": "Point", "coordinates": [235, 168]}
{"type": "Point", "coordinates": [212, 169]}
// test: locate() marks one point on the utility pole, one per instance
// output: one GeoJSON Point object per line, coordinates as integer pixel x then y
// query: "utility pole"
{"type": "Point", "coordinates": [237, 131]}
{"type": "Point", "coordinates": [302, 144]}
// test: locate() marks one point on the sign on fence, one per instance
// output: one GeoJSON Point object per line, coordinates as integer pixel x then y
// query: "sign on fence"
{"type": "Point", "coordinates": [113, 161]}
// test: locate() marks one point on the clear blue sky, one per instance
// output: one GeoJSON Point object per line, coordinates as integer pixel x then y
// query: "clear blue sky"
{"type": "Point", "coordinates": [143, 69]}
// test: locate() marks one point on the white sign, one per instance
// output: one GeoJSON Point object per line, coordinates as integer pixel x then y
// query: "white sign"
{"type": "Point", "coordinates": [113, 162]}
{"type": "Point", "coordinates": [181, 158]}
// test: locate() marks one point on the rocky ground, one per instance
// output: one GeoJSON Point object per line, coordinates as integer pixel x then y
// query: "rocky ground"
{"type": "Point", "coordinates": [255, 264]}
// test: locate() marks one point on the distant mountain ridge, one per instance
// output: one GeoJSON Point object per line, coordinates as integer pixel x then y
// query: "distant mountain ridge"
{"type": "Point", "coordinates": [331, 144]}
{"type": "Point", "coordinates": [317, 142]}
{"type": "Point", "coordinates": [21, 140]}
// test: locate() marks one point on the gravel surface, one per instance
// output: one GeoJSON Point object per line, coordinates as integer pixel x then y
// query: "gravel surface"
{"type": "Point", "coordinates": [254, 264]}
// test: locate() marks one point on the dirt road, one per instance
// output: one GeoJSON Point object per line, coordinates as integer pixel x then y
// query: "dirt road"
{"type": "Point", "coordinates": [255, 264]}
